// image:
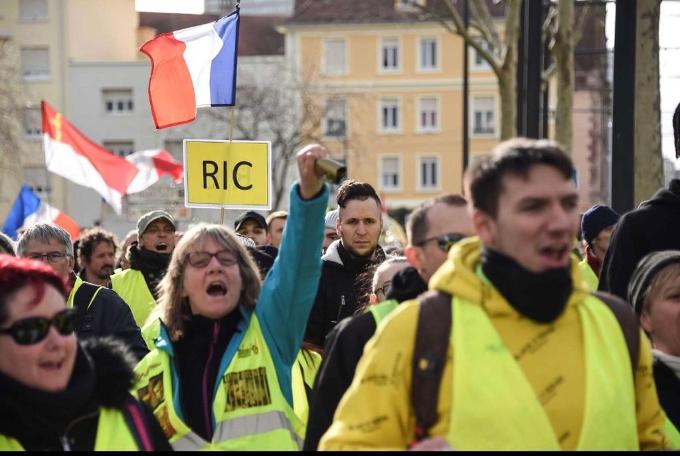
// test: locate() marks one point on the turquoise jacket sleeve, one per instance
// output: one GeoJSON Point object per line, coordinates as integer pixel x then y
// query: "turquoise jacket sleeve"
{"type": "Point", "coordinates": [289, 289]}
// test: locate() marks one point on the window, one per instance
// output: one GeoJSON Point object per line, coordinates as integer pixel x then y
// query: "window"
{"type": "Point", "coordinates": [389, 170]}
{"type": "Point", "coordinates": [334, 56]}
{"type": "Point", "coordinates": [122, 148]}
{"type": "Point", "coordinates": [429, 55]}
{"type": "Point", "coordinates": [484, 116]}
{"type": "Point", "coordinates": [335, 123]}
{"type": "Point", "coordinates": [389, 54]}
{"type": "Point", "coordinates": [429, 173]}
{"type": "Point", "coordinates": [478, 63]}
{"type": "Point", "coordinates": [118, 101]}
{"type": "Point", "coordinates": [389, 115]}
{"type": "Point", "coordinates": [32, 123]}
{"type": "Point", "coordinates": [428, 116]}
{"type": "Point", "coordinates": [35, 63]}
{"type": "Point", "coordinates": [33, 10]}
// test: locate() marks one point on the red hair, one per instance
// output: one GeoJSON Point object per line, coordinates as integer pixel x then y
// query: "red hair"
{"type": "Point", "coordinates": [16, 273]}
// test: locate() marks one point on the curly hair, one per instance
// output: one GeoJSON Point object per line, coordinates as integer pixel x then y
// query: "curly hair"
{"type": "Point", "coordinates": [91, 238]}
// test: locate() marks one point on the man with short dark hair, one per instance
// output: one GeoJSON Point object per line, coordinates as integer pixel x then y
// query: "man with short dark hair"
{"type": "Point", "coordinates": [359, 225]}
{"type": "Point", "coordinates": [101, 312]}
{"type": "Point", "coordinates": [276, 222]}
{"type": "Point", "coordinates": [253, 225]}
{"type": "Point", "coordinates": [97, 256]}
{"type": "Point", "coordinates": [513, 351]}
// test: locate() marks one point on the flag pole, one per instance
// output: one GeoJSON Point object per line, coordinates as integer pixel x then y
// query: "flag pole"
{"type": "Point", "coordinates": [231, 137]}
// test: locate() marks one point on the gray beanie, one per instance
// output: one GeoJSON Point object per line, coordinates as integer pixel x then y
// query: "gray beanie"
{"type": "Point", "coordinates": [644, 273]}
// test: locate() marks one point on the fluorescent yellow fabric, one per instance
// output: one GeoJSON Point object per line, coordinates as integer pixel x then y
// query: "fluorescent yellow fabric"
{"type": "Point", "coordinates": [113, 434]}
{"type": "Point", "coordinates": [672, 435]}
{"type": "Point", "coordinates": [588, 275]}
{"type": "Point", "coordinates": [304, 372]}
{"type": "Point", "coordinates": [249, 409]}
{"type": "Point", "coordinates": [150, 332]}
{"type": "Point", "coordinates": [77, 284]}
{"type": "Point", "coordinates": [382, 310]}
{"type": "Point", "coordinates": [131, 286]}
{"type": "Point", "coordinates": [376, 413]}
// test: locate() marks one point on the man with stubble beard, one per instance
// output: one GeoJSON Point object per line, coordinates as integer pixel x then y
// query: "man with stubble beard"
{"type": "Point", "coordinates": [149, 259]}
{"type": "Point", "coordinates": [359, 225]}
{"type": "Point", "coordinates": [97, 255]}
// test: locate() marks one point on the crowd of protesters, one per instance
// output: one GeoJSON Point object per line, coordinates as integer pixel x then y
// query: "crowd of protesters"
{"type": "Point", "coordinates": [508, 321]}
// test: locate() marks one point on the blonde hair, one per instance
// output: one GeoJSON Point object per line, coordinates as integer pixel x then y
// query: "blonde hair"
{"type": "Point", "coordinates": [173, 308]}
{"type": "Point", "coordinates": [658, 284]}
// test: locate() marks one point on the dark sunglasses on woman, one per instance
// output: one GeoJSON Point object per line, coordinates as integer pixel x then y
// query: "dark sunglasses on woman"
{"type": "Point", "coordinates": [32, 330]}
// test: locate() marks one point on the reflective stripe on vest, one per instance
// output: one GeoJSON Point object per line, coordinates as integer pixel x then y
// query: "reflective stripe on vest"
{"type": "Point", "coordinates": [248, 407]}
{"type": "Point", "coordinates": [496, 408]}
{"type": "Point", "coordinates": [131, 286]}
{"type": "Point", "coordinates": [382, 309]}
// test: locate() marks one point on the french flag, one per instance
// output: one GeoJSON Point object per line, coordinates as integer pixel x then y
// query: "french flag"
{"type": "Point", "coordinates": [192, 68]}
{"type": "Point", "coordinates": [28, 209]}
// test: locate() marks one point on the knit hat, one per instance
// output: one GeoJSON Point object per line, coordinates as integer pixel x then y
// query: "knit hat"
{"type": "Point", "coordinates": [644, 273]}
{"type": "Point", "coordinates": [331, 219]}
{"type": "Point", "coordinates": [596, 219]}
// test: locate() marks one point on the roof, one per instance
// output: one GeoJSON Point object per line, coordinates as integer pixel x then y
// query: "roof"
{"type": "Point", "coordinates": [257, 34]}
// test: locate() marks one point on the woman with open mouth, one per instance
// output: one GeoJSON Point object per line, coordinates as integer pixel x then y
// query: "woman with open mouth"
{"type": "Point", "coordinates": [54, 393]}
{"type": "Point", "coordinates": [219, 375]}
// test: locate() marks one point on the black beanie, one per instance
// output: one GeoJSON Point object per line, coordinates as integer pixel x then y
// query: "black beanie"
{"type": "Point", "coordinates": [644, 273]}
{"type": "Point", "coordinates": [596, 219]}
{"type": "Point", "coordinates": [406, 284]}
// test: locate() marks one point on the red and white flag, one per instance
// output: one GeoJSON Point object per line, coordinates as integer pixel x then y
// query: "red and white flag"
{"type": "Point", "coordinates": [152, 164]}
{"type": "Point", "coordinates": [75, 157]}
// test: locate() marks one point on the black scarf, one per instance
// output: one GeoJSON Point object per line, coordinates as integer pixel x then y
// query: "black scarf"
{"type": "Point", "coordinates": [152, 265]}
{"type": "Point", "coordinates": [539, 296]}
{"type": "Point", "coordinates": [356, 263]}
{"type": "Point", "coordinates": [30, 415]}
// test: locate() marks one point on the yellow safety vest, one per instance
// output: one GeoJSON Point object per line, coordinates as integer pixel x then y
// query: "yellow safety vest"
{"type": "Point", "coordinates": [249, 409]}
{"type": "Point", "coordinates": [304, 372]}
{"type": "Point", "coordinates": [495, 407]}
{"type": "Point", "coordinates": [113, 434]}
{"type": "Point", "coordinates": [588, 275]}
{"type": "Point", "coordinates": [672, 434]}
{"type": "Point", "coordinates": [382, 309]}
{"type": "Point", "coordinates": [131, 286]}
{"type": "Point", "coordinates": [76, 285]}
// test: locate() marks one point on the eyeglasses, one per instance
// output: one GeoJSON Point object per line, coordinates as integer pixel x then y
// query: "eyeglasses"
{"type": "Point", "coordinates": [28, 331]}
{"type": "Point", "coordinates": [51, 257]}
{"type": "Point", "coordinates": [444, 242]}
{"type": "Point", "coordinates": [201, 259]}
{"type": "Point", "coordinates": [385, 287]}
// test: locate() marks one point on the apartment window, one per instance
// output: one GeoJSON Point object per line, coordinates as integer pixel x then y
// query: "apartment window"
{"type": "Point", "coordinates": [429, 173]}
{"type": "Point", "coordinates": [118, 101]}
{"type": "Point", "coordinates": [428, 115]}
{"type": "Point", "coordinates": [35, 63]}
{"type": "Point", "coordinates": [335, 121]}
{"type": "Point", "coordinates": [32, 123]}
{"type": "Point", "coordinates": [389, 114]}
{"type": "Point", "coordinates": [484, 115]}
{"type": "Point", "coordinates": [334, 56]}
{"type": "Point", "coordinates": [122, 148]}
{"type": "Point", "coordinates": [389, 54]}
{"type": "Point", "coordinates": [429, 57]}
{"type": "Point", "coordinates": [33, 10]}
{"type": "Point", "coordinates": [389, 170]}
{"type": "Point", "coordinates": [478, 63]}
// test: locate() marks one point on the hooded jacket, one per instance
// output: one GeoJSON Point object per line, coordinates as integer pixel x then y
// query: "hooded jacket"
{"type": "Point", "coordinates": [653, 226]}
{"type": "Point", "coordinates": [339, 290]}
{"type": "Point", "coordinates": [376, 411]}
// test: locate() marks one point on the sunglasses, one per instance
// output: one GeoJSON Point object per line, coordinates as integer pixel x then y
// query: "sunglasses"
{"type": "Point", "coordinates": [32, 330]}
{"type": "Point", "coordinates": [201, 259]}
{"type": "Point", "coordinates": [444, 242]}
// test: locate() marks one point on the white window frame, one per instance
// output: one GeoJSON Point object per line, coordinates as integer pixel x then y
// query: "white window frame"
{"type": "Point", "coordinates": [111, 145]}
{"type": "Point", "coordinates": [324, 66]}
{"type": "Point", "coordinates": [382, 101]}
{"type": "Point", "coordinates": [438, 173]}
{"type": "Point", "coordinates": [381, 47]}
{"type": "Point", "coordinates": [428, 129]}
{"type": "Point", "coordinates": [36, 76]}
{"type": "Point", "coordinates": [400, 173]}
{"type": "Point", "coordinates": [474, 65]}
{"type": "Point", "coordinates": [116, 96]}
{"type": "Point", "coordinates": [419, 54]}
{"type": "Point", "coordinates": [473, 100]}
{"type": "Point", "coordinates": [25, 17]}
{"type": "Point", "coordinates": [326, 118]}
{"type": "Point", "coordinates": [32, 132]}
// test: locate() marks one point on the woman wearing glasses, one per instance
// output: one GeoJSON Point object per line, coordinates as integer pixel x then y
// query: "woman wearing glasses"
{"type": "Point", "coordinates": [54, 393]}
{"type": "Point", "coordinates": [219, 376]}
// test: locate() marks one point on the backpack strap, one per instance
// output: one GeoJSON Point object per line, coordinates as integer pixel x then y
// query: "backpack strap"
{"type": "Point", "coordinates": [83, 298]}
{"type": "Point", "coordinates": [429, 358]}
{"type": "Point", "coordinates": [629, 325]}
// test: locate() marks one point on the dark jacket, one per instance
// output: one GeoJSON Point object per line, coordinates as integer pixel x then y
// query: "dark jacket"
{"type": "Point", "coordinates": [344, 347]}
{"type": "Point", "coordinates": [102, 377]}
{"type": "Point", "coordinates": [653, 226]}
{"type": "Point", "coordinates": [668, 390]}
{"type": "Point", "coordinates": [339, 289]}
{"type": "Point", "coordinates": [108, 315]}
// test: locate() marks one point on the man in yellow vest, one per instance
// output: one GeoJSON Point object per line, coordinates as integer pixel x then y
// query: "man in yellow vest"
{"type": "Point", "coordinates": [530, 359]}
{"type": "Point", "coordinates": [149, 259]}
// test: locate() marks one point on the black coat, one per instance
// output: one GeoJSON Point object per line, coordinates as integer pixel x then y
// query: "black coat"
{"type": "Point", "coordinates": [653, 226]}
{"type": "Point", "coordinates": [668, 390]}
{"type": "Point", "coordinates": [343, 283]}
